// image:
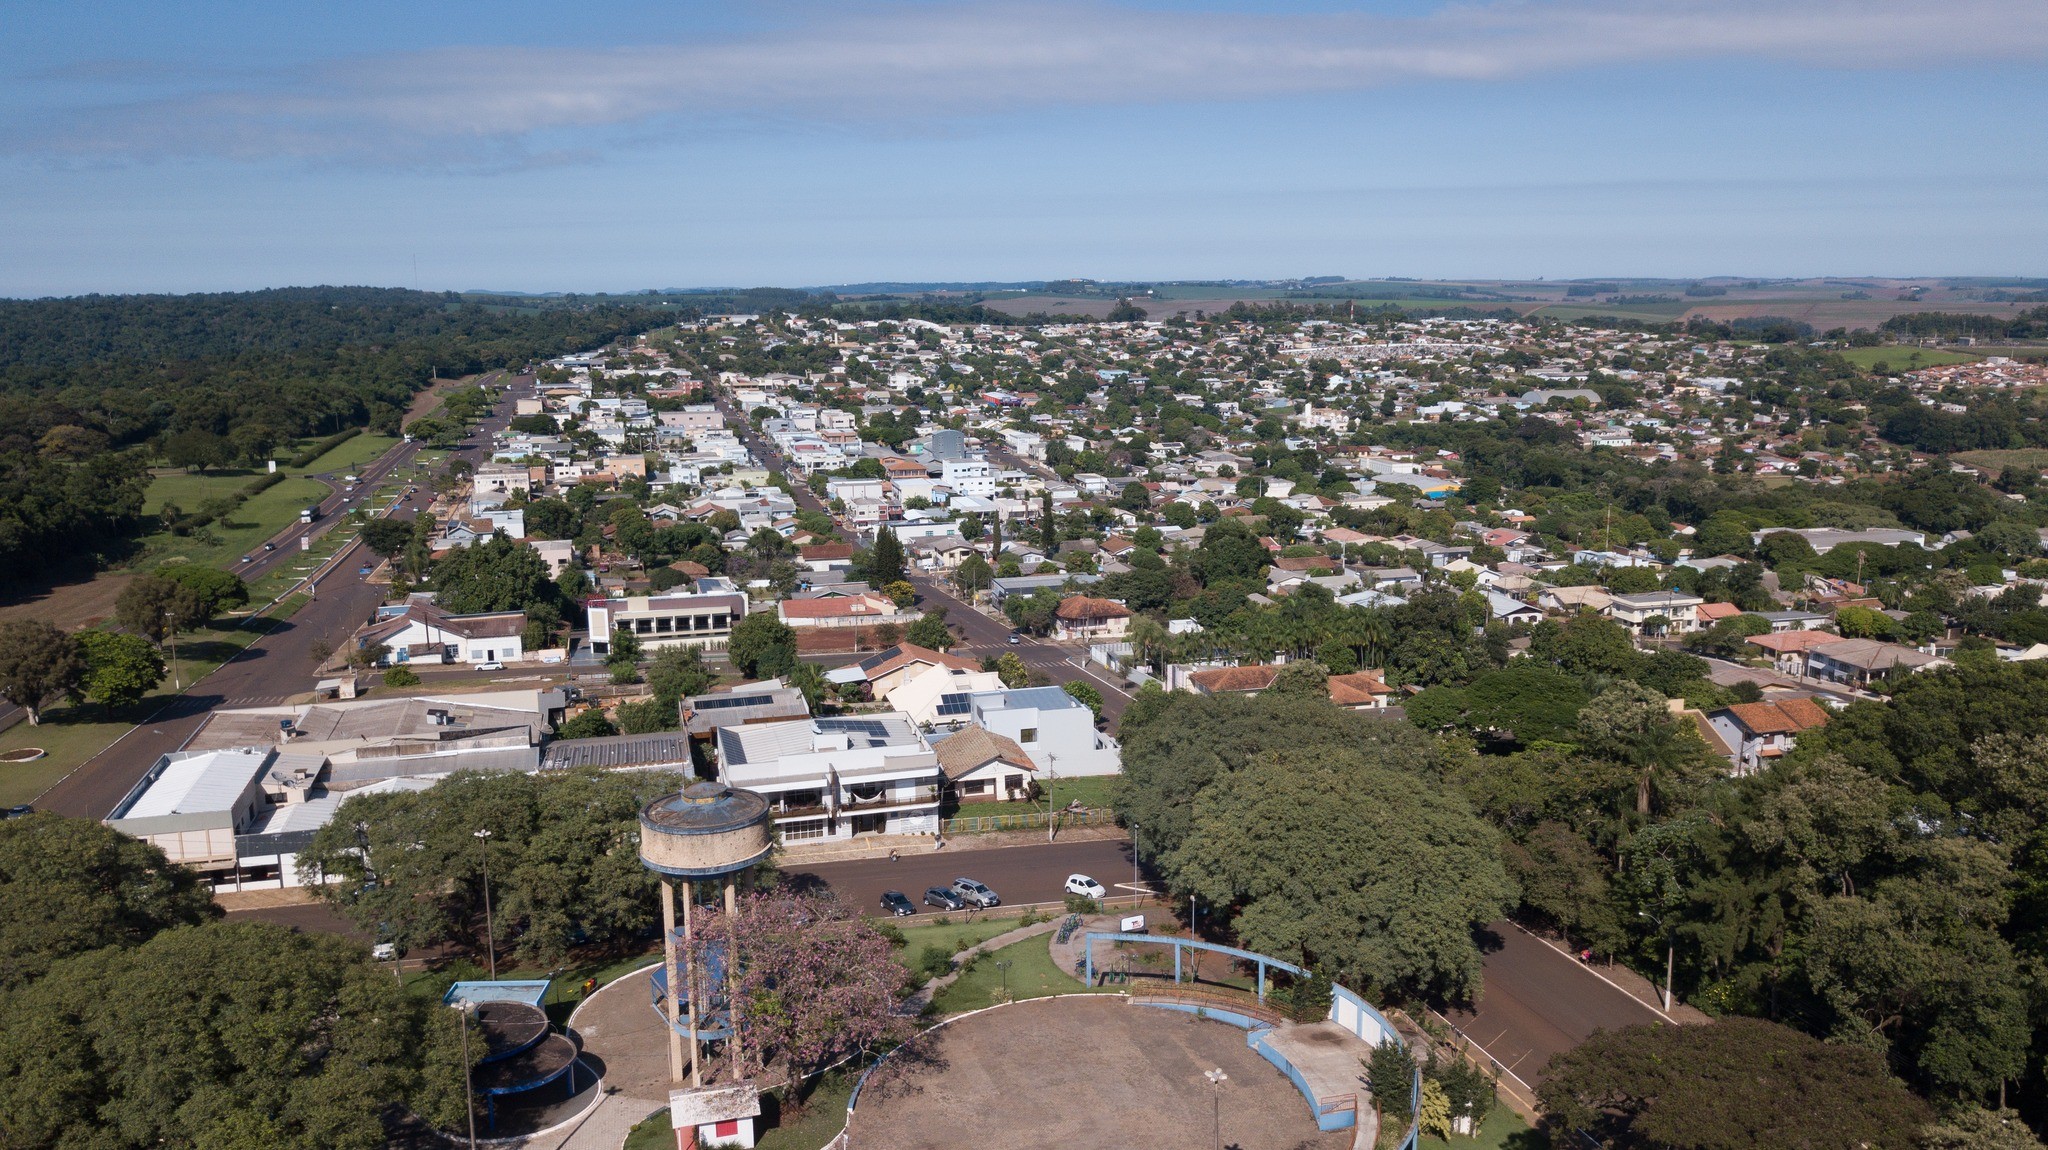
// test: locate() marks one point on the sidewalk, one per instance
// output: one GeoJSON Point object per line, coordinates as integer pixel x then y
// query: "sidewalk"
{"type": "Point", "coordinates": [879, 846]}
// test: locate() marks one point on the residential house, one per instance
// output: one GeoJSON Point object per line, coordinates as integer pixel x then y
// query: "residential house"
{"type": "Point", "coordinates": [424, 633]}
{"type": "Point", "coordinates": [1086, 618]}
{"type": "Point", "coordinates": [1788, 649]}
{"type": "Point", "coordinates": [1055, 729]}
{"type": "Point", "coordinates": [886, 670]}
{"type": "Point", "coordinates": [864, 610]}
{"type": "Point", "coordinates": [1861, 662]}
{"type": "Point", "coordinates": [981, 766]}
{"type": "Point", "coordinates": [1759, 733]}
{"type": "Point", "coordinates": [937, 696]}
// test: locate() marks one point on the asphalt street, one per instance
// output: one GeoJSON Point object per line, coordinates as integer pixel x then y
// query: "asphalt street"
{"type": "Point", "coordinates": [1538, 1003]}
{"type": "Point", "coordinates": [1019, 874]}
{"type": "Point", "coordinates": [273, 668]}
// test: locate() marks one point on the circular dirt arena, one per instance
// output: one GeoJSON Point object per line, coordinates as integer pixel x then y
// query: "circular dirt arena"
{"type": "Point", "coordinates": [1071, 1072]}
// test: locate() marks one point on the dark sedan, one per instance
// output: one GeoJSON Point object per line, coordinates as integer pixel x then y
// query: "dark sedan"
{"type": "Point", "coordinates": [897, 903]}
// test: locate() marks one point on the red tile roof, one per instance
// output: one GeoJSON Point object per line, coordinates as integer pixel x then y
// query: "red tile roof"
{"type": "Point", "coordinates": [1075, 608]}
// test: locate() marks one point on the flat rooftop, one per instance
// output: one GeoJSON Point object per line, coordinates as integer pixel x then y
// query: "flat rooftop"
{"type": "Point", "coordinates": [200, 783]}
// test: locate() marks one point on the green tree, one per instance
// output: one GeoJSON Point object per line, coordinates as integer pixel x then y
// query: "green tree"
{"type": "Point", "coordinates": [973, 575]}
{"type": "Point", "coordinates": [1085, 692]}
{"type": "Point", "coordinates": [590, 724]}
{"type": "Point", "coordinates": [1975, 1128]}
{"type": "Point", "coordinates": [806, 677]}
{"type": "Point", "coordinates": [399, 678]}
{"type": "Point", "coordinates": [931, 631]}
{"type": "Point", "coordinates": [497, 574]}
{"type": "Point", "coordinates": [119, 669]}
{"type": "Point", "coordinates": [69, 886]}
{"type": "Point", "coordinates": [152, 606]}
{"type": "Point", "coordinates": [1048, 526]}
{"type": "Point", "coordinates": [885, 560]}
{"type": "Point", "coordinates": [338, 1043]}
{"type": "Point", "coordinates": [1863, 623]}
{"type": "Point", "coordinates": [762, 646]}
{"type": "Point", "coordinates": [1350, 862]}
{"type": "Point", "coordinates": [388, 537]}
{"type": "Point", "coordinates": [217, 590]}
{"type": "Point", "coordinates": [677, 673]}
{"type": "Point", "coordinates": [1724, 1087]}
{"type": "Point", "coordinates": [39, 664]}
{"type": "Point", "coordinates": [1011, 670]}
{"type": "Point", "coordinates": [644, 716]}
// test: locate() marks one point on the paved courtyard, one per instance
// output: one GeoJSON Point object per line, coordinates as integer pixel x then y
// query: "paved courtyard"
{"type": "Point", "coordinates": [1081, 1072]}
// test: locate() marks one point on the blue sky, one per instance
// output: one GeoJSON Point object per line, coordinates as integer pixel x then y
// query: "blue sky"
{"type": "Point", "coordinates": [176, 146]}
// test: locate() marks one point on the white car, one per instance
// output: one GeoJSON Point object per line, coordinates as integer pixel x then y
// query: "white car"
{"type": "Point", "coordinates": [491, 666]}
{"type": "Point", "coordinates": [1084, 886]}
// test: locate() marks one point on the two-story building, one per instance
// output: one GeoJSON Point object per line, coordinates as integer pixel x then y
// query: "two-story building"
{"type": "Point", "coordinates": [1088, 619]}
{"type": "Point", "coordinates": [836, 778]}
{"type": "Point", "coordinates": [1656, 612]}
{"type": "Point", "coordinates": [1758, 734]}
{"type": "Point", "coordinates": [1055, 729]}
{"type": "Point", "coordinates": [667, 620]}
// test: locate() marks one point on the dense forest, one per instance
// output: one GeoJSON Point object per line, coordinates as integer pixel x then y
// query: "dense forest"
{"type": "Point", "coordinates": [92, 387]}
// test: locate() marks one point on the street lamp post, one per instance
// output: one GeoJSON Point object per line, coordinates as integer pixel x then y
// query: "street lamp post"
{"type": "Point", "coordinates": [483, 838]}
{"type": "Point", "coordinates": [1216, 1079]}
{"type": "Point", "coordinates": [1003, 967]}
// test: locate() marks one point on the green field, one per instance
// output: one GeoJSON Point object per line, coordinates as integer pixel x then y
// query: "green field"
{"type": "Point", "coordinates": [2035, 458]}
{"type": "Point", "coordinates": [1647, 312]}
{"type": "Point", "coordinates": [222, 544]}
{"type": "Point", "coordinates": [1904, 358]}
{"type": "Point", "coordinates": [1031, 974]}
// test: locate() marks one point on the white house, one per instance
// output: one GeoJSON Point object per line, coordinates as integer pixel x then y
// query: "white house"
{"type": "Point", "coordinates": [426, 634]}
{"type": "Point", "coordinates": [1054, 728]}
{"type": "Point", "coordinates": [836, 778]}
{"type": "Point", "coordinates": [1678, 610]}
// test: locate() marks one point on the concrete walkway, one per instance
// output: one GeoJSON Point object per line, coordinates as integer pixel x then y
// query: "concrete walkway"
{"type": "Point", "coordinates": [915, 1004]}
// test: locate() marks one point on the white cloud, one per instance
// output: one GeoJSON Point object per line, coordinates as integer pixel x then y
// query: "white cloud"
{"type": "Point", "coordinates": [893, 66]}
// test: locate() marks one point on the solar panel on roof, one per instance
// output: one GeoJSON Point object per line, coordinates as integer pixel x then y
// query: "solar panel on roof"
{"type": "Point", "coordinates": [873, 661]}
{"type": "Point", "coordinates": [735, 701]}
{"type": "Point", "coordinates": [954, 704]}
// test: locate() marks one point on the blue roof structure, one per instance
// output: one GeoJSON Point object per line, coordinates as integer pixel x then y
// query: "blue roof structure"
{"type": "Point", "coordinates": [531, 992]}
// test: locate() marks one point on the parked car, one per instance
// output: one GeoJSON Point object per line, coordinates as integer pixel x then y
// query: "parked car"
{"type": "Point", "coordinates": [944, 898]}
{"type": "Point", "coordinates": [20, 812]}
{"type": "Point", "coordinates": [493, 665]}
{"type": "Point", "coordinates": [975, 894]}
{"type": "Point", "coordinates": [1084, 886]}
{"type": "Point", "coordinates": [897, 903]}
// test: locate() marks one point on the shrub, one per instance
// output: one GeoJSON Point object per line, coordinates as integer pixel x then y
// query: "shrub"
{"type": "Point", "coordinates": [401, 677]}
{"type": "Point", "coordinates": [1079, 904]}
{"type": "Point", "coordinates": [934, 961]}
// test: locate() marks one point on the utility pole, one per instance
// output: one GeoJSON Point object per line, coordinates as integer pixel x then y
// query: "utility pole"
{"type": "Point", "coordinates": [1216, 1079]}
{"type": "Point", "coordinates": [483, 838]}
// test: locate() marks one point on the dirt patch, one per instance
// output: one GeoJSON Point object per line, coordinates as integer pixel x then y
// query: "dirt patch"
{"type": "Point", "coordinates": [1082, 1072]}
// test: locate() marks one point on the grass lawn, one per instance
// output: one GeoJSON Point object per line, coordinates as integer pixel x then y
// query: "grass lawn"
{"type": "Point", "coordinates": [1502, 1130]}
{"type": "Point", "coordinates": [1904, 358]}
{"type": "Point", "coordinates": [1031, 975]}
{"type": "Point", "coordinates": [244, 531]}
{"type": "Point", "coordinates": [263, 516]}
{"type": "Point", "coordinates": [955, 936]}
{"type": "Point", "coordinates": [2027, 457]}
{"type": "Point", "coordinates": [72, 735]}
{"type": "Point", "coordinates": [1089, 792]}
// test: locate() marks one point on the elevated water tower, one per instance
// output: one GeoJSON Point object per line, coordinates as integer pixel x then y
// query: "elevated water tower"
{"type": "Point", "coordinates": [705, 832]}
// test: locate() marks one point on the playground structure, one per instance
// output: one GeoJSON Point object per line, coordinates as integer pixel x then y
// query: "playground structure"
{"type": "Point", "coordinates": [706, 831]}
{"type": "Point", "coordinates": [522, 1052]}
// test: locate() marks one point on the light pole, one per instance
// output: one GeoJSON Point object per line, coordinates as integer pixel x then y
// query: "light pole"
{"type": "Point", "coordinates": [1134, 854]}
{"type": "Point", "coordinates": [483, 838]}
{"type": "Point", "coordinates": [468, 1087]}
{"type": "Point", "coordinates": [1670, 954]}
{"type": "Point", "coordinates": [1003, 967]}
{"type": "Point", "coordinates": [171, 633]}
{"type": "Point", "coordinates": [1216, 1079]}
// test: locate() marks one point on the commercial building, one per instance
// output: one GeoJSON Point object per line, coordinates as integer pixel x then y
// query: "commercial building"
{"type": "Point", "coordinates": [838, 778]}
{"type": "Point", "coordinates": [667, 620]}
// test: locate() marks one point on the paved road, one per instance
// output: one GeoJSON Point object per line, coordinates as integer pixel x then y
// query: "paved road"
{"type": "Point", "coordinates": [985, 636]}
{"type": "Point", "coordinates": [1019, 874]}
{"type": "Point", "coordinates": [1538, 1003]}
{"type": "Point", "coordinates": [272, 669]}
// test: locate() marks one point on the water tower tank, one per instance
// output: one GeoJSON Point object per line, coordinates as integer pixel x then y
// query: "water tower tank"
{"type": "Point", "coordinates": [706, 830]}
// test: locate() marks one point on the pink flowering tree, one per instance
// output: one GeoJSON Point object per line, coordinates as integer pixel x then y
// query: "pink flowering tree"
{"type": "Point", "coordinates": [815, 980]}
